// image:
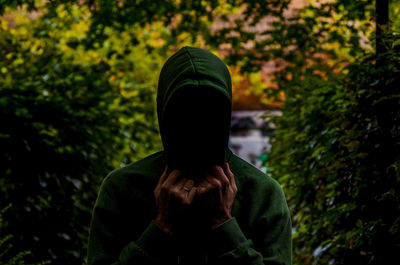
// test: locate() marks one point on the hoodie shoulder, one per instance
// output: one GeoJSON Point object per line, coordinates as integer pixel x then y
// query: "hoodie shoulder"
{"type": "Point", "coordinates": [142, 173]}
{"type": "Point", "coordinates": [247, 174]}
{"type": "Point", "coordinates": [258, 192]}
{"type": "Point", "coordinates": [261, 201]}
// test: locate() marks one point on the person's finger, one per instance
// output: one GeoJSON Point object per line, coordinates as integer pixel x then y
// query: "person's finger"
{"type": "Point", "coordinates": [190, 196]}
{"type": "Point", "coordinates": [172, 177]}
{"type": "Point", "coordinates": [220, 175]}
{"type": "Point", "coordinates": [180, 184]}
{"type": "Point", "coordinates": [174, 191]}
{"type": "Point", "coordinates": [163, 175]}
{"type": "Point", "coordinates": [213, 182]}
{"type": "Point", "coordinates": [201, 190]}
{"type": "Point", "coordinates": [161, 180]}
{"type": "Point", "coordinates": [230, 175]}
{"type": "Point", "coordinates": [188, 185]}
{"type": "Point", "coordinates": [202, 183]}
{"type": "Point", "coordinates": [208, 177]}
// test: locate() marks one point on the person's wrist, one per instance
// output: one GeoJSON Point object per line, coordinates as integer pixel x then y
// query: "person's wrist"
{"type": "Point", "coordinates": [218, 221]}
{"type": "Point", "coordinates": [167, 228]}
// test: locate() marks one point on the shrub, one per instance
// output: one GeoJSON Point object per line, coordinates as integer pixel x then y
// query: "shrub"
{"type": "Point", "coordinates": [337, 154]}
{"type": "Point", "coordinates": [5, 246]}
{"type": "Point", "coordinates": [69, 115]}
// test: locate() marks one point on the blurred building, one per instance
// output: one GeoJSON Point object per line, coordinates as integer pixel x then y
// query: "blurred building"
{"type": "Point", "coordinates": [251, 128]}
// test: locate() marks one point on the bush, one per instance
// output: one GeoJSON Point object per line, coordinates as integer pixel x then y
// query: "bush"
{"type": "Point", "coordinates": [337, 154]}
{"type": "Point", "coordinates": [69, 115]}
{"type": "Point", "coordinates": [5, 247]}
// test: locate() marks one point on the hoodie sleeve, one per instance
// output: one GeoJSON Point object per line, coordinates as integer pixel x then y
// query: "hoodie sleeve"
{"type": "Point", "coordinates": [106, 236]}
{"type": "Point", "coordinates": [270, 242]}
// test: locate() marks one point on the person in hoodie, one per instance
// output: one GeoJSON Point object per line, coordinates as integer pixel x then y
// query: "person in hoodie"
{"type": "Point", "coordinates": [194, 202]}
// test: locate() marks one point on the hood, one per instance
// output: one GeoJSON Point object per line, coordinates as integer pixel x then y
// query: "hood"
{"type": "Point", "coordinates": [194, 106]}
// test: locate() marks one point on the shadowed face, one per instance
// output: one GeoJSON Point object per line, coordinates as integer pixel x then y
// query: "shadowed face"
{"type": "Point", "coordinates": [195, 124]}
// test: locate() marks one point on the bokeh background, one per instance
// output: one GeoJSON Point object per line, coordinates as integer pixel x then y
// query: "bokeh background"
{"type": "Point", "coordinates": [316, 106]}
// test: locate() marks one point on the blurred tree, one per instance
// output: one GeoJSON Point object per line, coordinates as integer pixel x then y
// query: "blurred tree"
{"type": "Point", "coordinates": [70, 115]}
{"type": "Point", "coordinates": [336, 152]}
{"type": "Point", "coordinates": [382, 19]}
{"type": "Point", "coordinates": [253, 31]}
{"type": "Point", "coordinates": [77, 90]}
{"type": "Point", "coordinates": [6, 246]}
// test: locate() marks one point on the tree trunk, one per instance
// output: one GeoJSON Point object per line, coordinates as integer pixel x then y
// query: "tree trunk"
{"type": "Point", "coordinates": [382, 19]}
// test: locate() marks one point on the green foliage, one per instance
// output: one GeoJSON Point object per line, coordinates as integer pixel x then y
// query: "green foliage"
{"type": "Point", "coordinates": [291, 39]}
{"type": "Point", "coordinates": [5, 246]}
{"type": "Point", "coordinates": [336, 153]}
{"type": "Point", "coordinates": [191, 17]}
{"type": "Point", "coordinates": [69, 116]}
{"type": "Point", "coordinates": [77, 99]}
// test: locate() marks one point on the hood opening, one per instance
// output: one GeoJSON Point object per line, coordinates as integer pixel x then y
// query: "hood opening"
{"type": "Point", "coordinates": [194, 108]}
{"type": "Point", "coordinates": [195, 128]}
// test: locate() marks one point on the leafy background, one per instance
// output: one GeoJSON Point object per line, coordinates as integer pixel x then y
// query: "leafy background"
{"type": "Point", "coordinates": [77, 99]}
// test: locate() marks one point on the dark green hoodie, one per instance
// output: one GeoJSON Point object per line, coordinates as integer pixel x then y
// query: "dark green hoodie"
{"type": "Point", "coordinates": [194, 104]}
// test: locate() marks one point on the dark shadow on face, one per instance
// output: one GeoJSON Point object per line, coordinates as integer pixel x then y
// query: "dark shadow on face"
{"type": "Point", "coordinates": [197, 127]}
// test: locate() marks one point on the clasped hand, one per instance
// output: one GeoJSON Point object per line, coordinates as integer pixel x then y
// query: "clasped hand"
{"type": "Point", "coordinates": [211, 198]}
